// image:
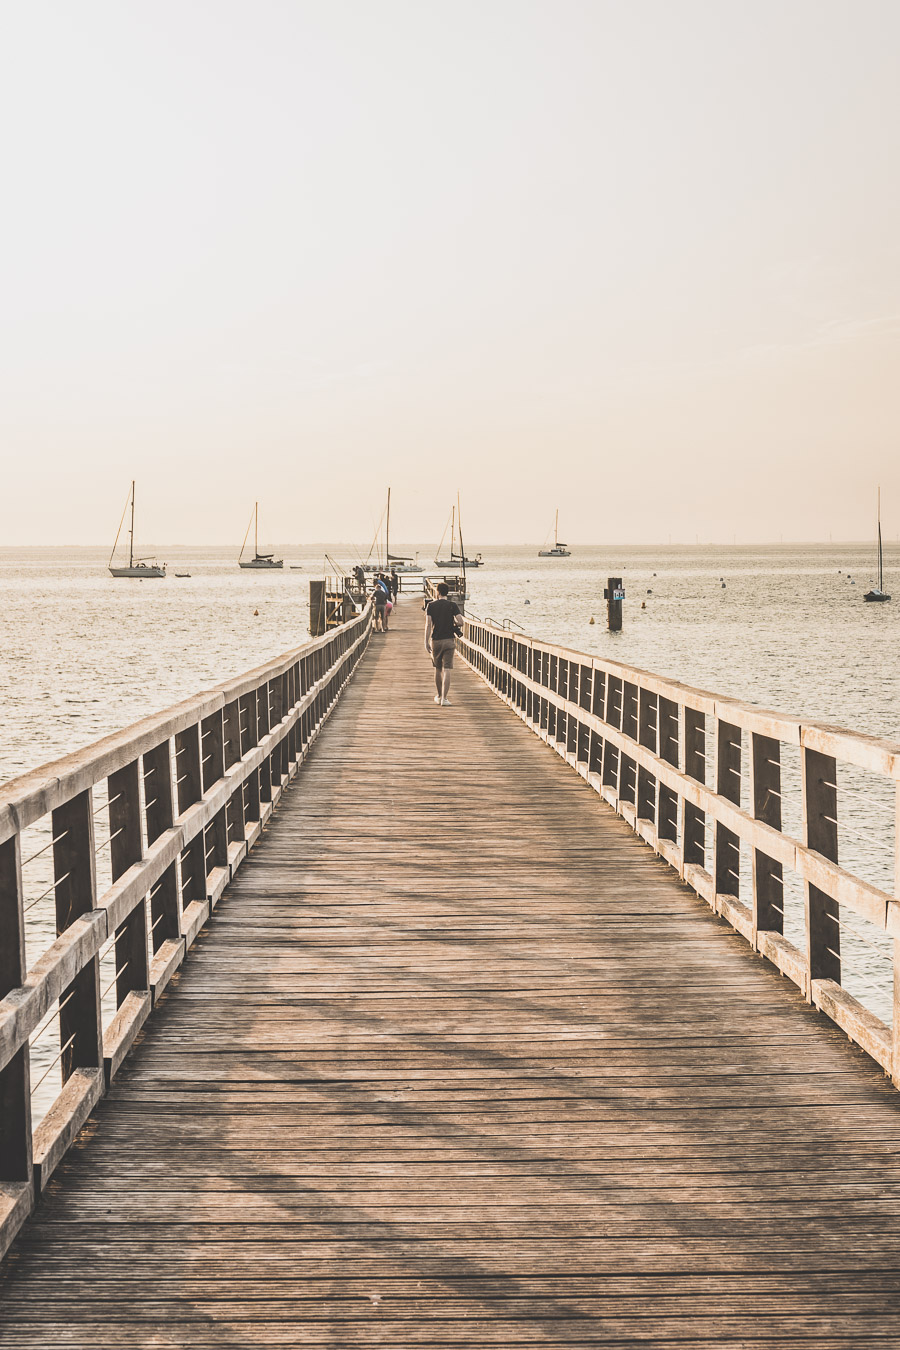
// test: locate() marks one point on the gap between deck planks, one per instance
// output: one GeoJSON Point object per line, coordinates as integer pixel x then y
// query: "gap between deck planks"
{"type": "Point", "coordinates": [459, 1062]}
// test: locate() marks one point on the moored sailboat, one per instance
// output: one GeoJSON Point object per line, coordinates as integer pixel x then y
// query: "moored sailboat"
{"type": "Point", "coordinates": [140, 568]}
{"type": "Point", "coordinates": [457, 557]}
{"type": "Point", "coordinates": [877, 593]}
{"type": "Point", "coordinates": [259, 561]}
{"type": "Point", "coordinates": [394, 562]}
{"type": "Point", "coordinates": [558, 550]}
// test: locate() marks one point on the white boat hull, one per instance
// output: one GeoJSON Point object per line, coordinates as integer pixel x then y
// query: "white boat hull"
{"type": "Point", "coordinates": [554, 553]}
{"type": "Point", "coordinates": [138, 571]}
{"type": "Point", "coordinates": [262, 564]}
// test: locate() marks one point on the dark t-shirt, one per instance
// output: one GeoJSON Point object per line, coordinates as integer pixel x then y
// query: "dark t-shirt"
{"type": "Point", "coordinates": [442, 613]}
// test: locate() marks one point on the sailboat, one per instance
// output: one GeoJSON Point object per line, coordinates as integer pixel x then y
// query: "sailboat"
{"type": "Point", "coordinates": [137, 567]}
{"type": "Point", "coordinates": [259, 561]}
{"type": "Point", "coordinates": [456, 559]}
{"type": "Point", "coordinates": [394, 562]}
{"type": "Point", "coordinates": [878, 593]}
{"type": "Point", "coordinates": [558, 550]}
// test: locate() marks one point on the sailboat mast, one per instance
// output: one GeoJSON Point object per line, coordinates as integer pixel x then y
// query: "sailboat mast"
{"type": "Point", "coordinates": [459, 518]}
{"type": "Point", "coordinates": [131, 531]}
{"type": "Point", "coordinates": [387, 532]}
{"type": "Point", "coordinates": [880, 554]}
{"type": "Point", "coordinates": [556, 530]}
{"type": "Point", "coordinates": [452, 533]}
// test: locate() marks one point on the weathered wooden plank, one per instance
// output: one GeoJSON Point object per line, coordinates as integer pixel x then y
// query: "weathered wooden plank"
{"type": "Point", "coordinates": [458, 1040]}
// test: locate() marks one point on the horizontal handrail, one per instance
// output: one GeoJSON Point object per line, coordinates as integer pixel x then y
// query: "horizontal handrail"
{"type": "Point", "coordinates": [184, 794]}
{"type": "Point", "coordinates": [701, 777]}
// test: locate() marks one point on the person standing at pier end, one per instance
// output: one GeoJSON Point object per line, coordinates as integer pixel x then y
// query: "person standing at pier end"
{"type": "Point", "coordinates": [380, 598]}
{"type": "Point", "coordinates": [440, 640]}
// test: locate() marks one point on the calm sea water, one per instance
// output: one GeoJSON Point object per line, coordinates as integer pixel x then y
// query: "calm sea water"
{"type": "Point", "coordinates": [82, 654]}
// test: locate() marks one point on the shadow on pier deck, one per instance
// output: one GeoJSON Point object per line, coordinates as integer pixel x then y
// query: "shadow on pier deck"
{"type": "Point", "coordinates": [459, 1061]}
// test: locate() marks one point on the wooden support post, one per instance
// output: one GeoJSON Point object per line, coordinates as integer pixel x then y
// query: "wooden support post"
{"type": "Point", "coordinates": [613, 716]}
{"type": "Point", "coordinates": [693, 832]}
{"type": "Point", "coordinates": [232, 755]}
{"type": "Point", "coordinates": [627, 765]}
{"type": "Point", "coordinates": [823, 931]}
{"type": "Point", "coordinates": [768, 875]}
{"type": "Point", "coordinates": [728, 785]}
{"type": "Point", "coordinates": [189, 789]}
{"type": "Point", "coordinates": [667, 804]}
{"type": "Point", "coordinates": [249, 739]}
{"type": "Point", "coordinates": [648, 717]}
{"type": "Point", "coordinates": [263, 726]}
{"type": "Point", "coordinates": [75, 870]}
{"type": "Point", "coordinates": [15, 1078]}
{"type": "Point", "coordinates": [212, 747]}
{"type": "Point", "coordinates": [125, 849]}
{"type": "Point", "coordinates": [317, 613]}
{"type": "Point", "coordinates": [164, 904]}
{"type": "Point", "coordinates": [614, 595]}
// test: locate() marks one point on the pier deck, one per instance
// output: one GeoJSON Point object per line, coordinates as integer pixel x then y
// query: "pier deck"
{"type": "Point", "coordinates": [459, 1061]}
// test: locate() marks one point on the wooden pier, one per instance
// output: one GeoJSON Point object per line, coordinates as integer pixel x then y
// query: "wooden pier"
{"type": "Point", "coordinates": [457, 1058]}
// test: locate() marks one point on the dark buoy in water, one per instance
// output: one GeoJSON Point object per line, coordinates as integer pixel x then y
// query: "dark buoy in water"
{"type": "Point", "coordinates": [649, 592]}
{"type": "Point", "coordinates": [643, 604]}
{"type": "Point", "coordinates": [255, 613]}
{"type": "Point", "coordinates": [528, 602]}
{"type": "Point", "coordinates": [591, 619]}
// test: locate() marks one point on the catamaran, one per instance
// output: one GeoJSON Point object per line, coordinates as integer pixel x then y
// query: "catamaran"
{"type": "Point", "coordinates": [456, 559]}
{"type": "Point", "coordinates": [558, 550]}
{"type": "Point", "coordinates": [877, 593]}
{"type": "Point", "coordinates": [259, 561]}
{"type": "Point", "coordinates": [137, 567]}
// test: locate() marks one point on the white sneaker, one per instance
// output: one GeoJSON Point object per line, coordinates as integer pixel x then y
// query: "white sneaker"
{"type": "Point", "coordinates": [437, 698]}
{"type": "Point", "coordinates": [445, 703]}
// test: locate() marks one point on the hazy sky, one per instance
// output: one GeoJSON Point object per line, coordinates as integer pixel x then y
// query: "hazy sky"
{"type": "Point", "coordinates": [638, 259]}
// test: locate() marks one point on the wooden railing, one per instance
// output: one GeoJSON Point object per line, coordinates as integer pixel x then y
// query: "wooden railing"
{"type": "Point", "coordinates": [184, 795]}
{"type": "Point", "coordinates": [742, 802]}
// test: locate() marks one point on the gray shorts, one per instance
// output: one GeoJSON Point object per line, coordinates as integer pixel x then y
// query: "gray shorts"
{"type": "Point", "coordinates": [442, 650]}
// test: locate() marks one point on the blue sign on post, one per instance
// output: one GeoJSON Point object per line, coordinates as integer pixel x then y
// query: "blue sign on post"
{"type": "Point", "coordinates": [618, 595]}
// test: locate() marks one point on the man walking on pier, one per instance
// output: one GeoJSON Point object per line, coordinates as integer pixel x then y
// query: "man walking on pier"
{"type": "Point", "coordinates": [440, 640]}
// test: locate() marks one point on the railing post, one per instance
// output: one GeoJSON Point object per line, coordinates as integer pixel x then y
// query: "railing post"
{"type": "Point", "coordinates": [628, 766]}
{"type": "Point", "coordinates": [823, 931]}
{"type": "Point", "coordinates": [768, 875]}
{"type": "Point", "coordinates": [125, 849]}
{"type": "Point", "coordinates": [165, 905]}
{"type": "Point", "coordinates": [75, 870]}
{"type": "Point", "coordinates": [667, 798]}
{"type": "Point", "coordinates": [648, 726]}
{"type": "Point", "coordinates": [262, 730]}
{"type": "Point", "coordinates": [189, 790]}
{"type": "Point", "coordinates": [693, 831]}
{"type": "Point", "coordinates": [249, 740]}
{"type": "Point", "coordinates": [15, 1078]}
{"type": "Point", "coordinates": [212, 748]}
{"type": "Point", "coordinates": [613, 717]}
{"type": "Point", "coordinates": [728, 785]}
{"type": "Point", "coordinates": [232, 755]}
